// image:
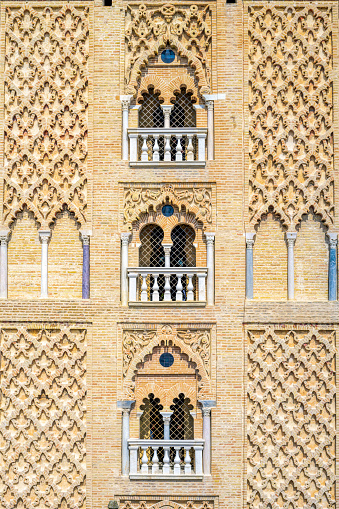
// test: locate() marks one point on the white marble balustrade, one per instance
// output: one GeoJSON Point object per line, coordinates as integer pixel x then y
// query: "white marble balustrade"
{"type": "Point", "coordinates": [182, 284]}
{"type": "Point", "coordinates": [176, 457]}
{"type": "Point", "coordinates": [167, 145]}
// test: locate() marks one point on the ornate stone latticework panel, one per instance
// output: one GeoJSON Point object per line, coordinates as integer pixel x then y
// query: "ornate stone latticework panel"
{"type": "Point", "coordinates": [291, 417]}
{"type": "Point", "coordinates": [193, 340]}
{"type": "Point", "coordinates": [174, 502]}
{"type": "Point", "coordinates": [43, 407]}
{"type": "Point", "coordinates": [46, 108]}
{"type": "Point", "coordinates": [152, 27]}
{"type": "Point", "coordinates": [290, 106]}
{"type": "Point", "coordinates": [194, 198]}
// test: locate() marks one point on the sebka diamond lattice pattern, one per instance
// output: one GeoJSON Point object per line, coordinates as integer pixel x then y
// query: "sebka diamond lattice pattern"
{"type": "Point", "coordinates": [291, 418]}
{"type": "Point", "coordinates": [42, 426]}
{"type": "Point", "coordinates": [46, 109]}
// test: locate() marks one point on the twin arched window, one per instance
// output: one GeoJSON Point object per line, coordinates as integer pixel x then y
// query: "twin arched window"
{"type": "Point", "coordinates": [182, 115]}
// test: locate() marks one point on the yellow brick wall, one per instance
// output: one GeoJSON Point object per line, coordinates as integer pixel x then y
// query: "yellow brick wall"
{"type": "Point", "coordinates": [270, 261]}
{"type": "Point", "coordinates": [65, 260]}
{"type": "Point", "coordinates": [24, 259]}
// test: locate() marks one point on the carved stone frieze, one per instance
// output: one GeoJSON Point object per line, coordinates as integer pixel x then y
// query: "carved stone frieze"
{"type": "Point", "coordinates": [291, 117]}
{"type": "Point", "coordinates": [195, 199]}
{"type": "Point", "coordinates": [46, 109]}
{"type": "Point", "coordinates": [43, 426]}
{"type": "Point", "coordinates": [149, 28]}
{"type": "Point", "coordinates": [194, 341]}
{"type": "Point", "coordinates": [173, 502]}
{"type": "Point", "coordinates": [291, 417]}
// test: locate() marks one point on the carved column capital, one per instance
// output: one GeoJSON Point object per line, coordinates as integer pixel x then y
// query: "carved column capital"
{"type": "Point", "coordinates": [125, 238]}
{"type": "Point", "coordinates": [209, 104]}
{"type": "Point", "coordinates": [125, 406]}
{"type": "Point", "coordinates": [167, 248]}
{"type": "Point", "coordinates": [44, 236]}
{"type": "Point", "coordinates": [166, 417]}
{"type": "Point", "coordinates": [4, 236]}
{"type": "Point", "coordinates": [332, 239]}
{"type": "Point", "coordinates": [291, 237]}
{"type": "Point", "coordinates": [125, 101]}
{"type": "Point", "coordinates": [85, 237]}
{"type": "Point", "coordinates": [210, 236]}
{"type": "Point", "coordinates": [250, 238]}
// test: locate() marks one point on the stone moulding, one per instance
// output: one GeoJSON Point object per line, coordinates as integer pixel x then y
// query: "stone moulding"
{"type": "Point", "coordinates": [197, 199]}
{"type": "Point", "coordinates": [149, 28]}
{"type": "Point", "coordinates": [291, 112]}
{"type": "Point", "coordinates": [291, 416]}
{"type": "Point", "coordinates": [46, 111]}
{"type": "Point", "coordinates": [167, 502]}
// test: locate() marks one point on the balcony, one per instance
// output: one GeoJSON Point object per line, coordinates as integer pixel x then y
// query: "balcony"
{"type": "Point", "coordinates": [167, 146]}
{"type": "Point", "coordinates": [171, 284]}
{"type": "Point", "coordinates": [170, 459]}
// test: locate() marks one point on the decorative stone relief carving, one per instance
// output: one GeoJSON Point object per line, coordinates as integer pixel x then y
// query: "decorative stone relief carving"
{"type": "Point", "coordinates": [175, 502]}
{"type": "Point", "coordinates": [197, 200]}
{"type": "Point", "coordinates": [290, 105]}
{"type": "Point", "coordinates": [43, 403]}
{"type": "Point", "coordinates": [46, 103]}
{"type": "Point", "coordinates": [195, 342]}
{"type": "Point", "coordinates": [150, 28]}
{"type": "Point", "coordinates": [291, 417]}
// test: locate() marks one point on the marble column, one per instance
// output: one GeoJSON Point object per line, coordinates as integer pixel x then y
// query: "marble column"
{"type": "Point", "coordinates": [126, 407]}
{"type": "Point", "coordinates": [290, 238]}
{"type": "Point", "coordinates": [210, 129]}
{"type": "Point", "coordinates": [167, 108]}
{"type": "Point", "coordinates": [210, 266]}
{"type": "Point", "coordinates": [250, 236]}
{"type": "Point", "coordinates": [4, 238]}
{"type": "Point", "coordinates": [44, 236]}
{"type": "Point", "coordinates": [332, 266]}
{"type": "Point", "coordinates": [125, 238]}
{"type": "Point", "coordinates": [85, 237]}
{"type": "Point", "coordinates": [125, 102]}
{"type": "Point", "coordinates": [167, 420]}
{"type": "Point", "coordinates": [206, 433]}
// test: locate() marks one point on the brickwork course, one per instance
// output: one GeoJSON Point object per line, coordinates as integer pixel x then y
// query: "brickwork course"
{"type": "Point", "coordinates": [69, 70]}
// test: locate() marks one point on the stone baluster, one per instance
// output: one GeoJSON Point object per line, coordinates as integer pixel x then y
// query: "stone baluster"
{"type": "Point", "coordinates": [133, 276]}
{"type": "Point", "coordinates": [155, 461]}
{"type": "Point", "coordinates": [179, 288]}
{"type": "Point", "coordinates": [4, 238]}
{"type": "Point", "coordinates": [155, 295]}
{"type": "Point", "coordinates": [133, 147]}
{"type": "Point", "coordinates": [126, 407]}
{"type": "Point", "coordinates": [177, 469]}
{"type": "Point", "coordinates": [167, 148]}
{"type": "Point", "coordinates": [250, 237]}
{"type": "Point", "coordinates": [178, 154]}
{"type": "Point", "coordinates": [190, 148]}
{"type": "Point", "coordinates": [206, 432]}
{"type": "Point", "coordinates": [201, 286]}
{"type": "Point", "coordinates": [167, 288]}
{"type": "Point", "coordinates": [156, 156]}
{"type": "Point", "coordinates": [210, 266]}
{"type": "Point", "coordinates": [144, 460]}
{"type": "Point", "coordinates": [332, 266]}
{"type": "Point", "coordinates": [144, 296]}
{"type": "Point", "coordinates": [166, 463]}
{"type": "Point", "coordinates": [167, 419]}
{"type": "Point", "coordinates": [190, 288]}
{"type": "Point", "coordinates": [125, 238]}
{"type": "Point", "coordinates": [85, 237]}
{"type": "Point", "coordinates": [188, 466]}
{"type": "Point", "coordinates": [290, 238]}
{"type": "Point", "coordinates": [44, 236]}
{"type": "Point", "coordinates": [144, 148]}
{"type": "Point", "coordinates": [125, 102]}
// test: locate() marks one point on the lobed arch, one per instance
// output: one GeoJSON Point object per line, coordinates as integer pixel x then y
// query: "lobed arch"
{"type": "Point", "coordinates": [129, 379]}
{"type": "Point", "coordinates": [167, 224]}
{"type": "Point", "coordinates": [159, 44]}
{"type": "Point", "coordinates": [167, 90]}
{"type": "Point", "coordinates": [166, 396]}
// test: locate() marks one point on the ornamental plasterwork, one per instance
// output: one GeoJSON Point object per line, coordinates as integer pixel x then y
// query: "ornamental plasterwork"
{"type": "Point", "coordinates": [197, 200]}
{"type": "Point", "coordinates": [291, 112]}
{"type": "Point", "coordinates": [46, 111]}
{"type": "Point", "coordinates": [149, 28]}
{"type": "Point", "coordinates": [173, 502]}
{"type": "Point", "coordinates": [43, 407]}
{"type": "Point", "coordinates": [195, 342]}
{"type": "Point", "coordinates": [291, 417]}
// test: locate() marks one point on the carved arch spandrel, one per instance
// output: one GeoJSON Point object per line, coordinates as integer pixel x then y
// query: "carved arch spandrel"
{"type": "Point", "coordinates": [185, 28]}
{"type": "Point", "coordinates": [167, 88]}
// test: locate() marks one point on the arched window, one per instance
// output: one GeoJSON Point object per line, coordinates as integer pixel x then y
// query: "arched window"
{"type": "Point", "coordinates": [181, 423]}
{"type": "Point", "coordinates": [151, 421]}
{"type": "Point", "coordinates": [183, 112]}
{"type": "Point", "coordinates": [183, 250]}
{"type": "Point", "coordinates": [151, 114]}
{"type": "Point", "coordinates": [152, 253]}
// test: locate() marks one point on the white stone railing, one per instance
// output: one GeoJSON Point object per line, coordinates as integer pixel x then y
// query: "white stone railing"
{"type": "Point", "coordinates": [167, 145]}
{"type": "Point", "coordinates": [165, 457]}
{"type": "Point", "coordinates": [183, 284]}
